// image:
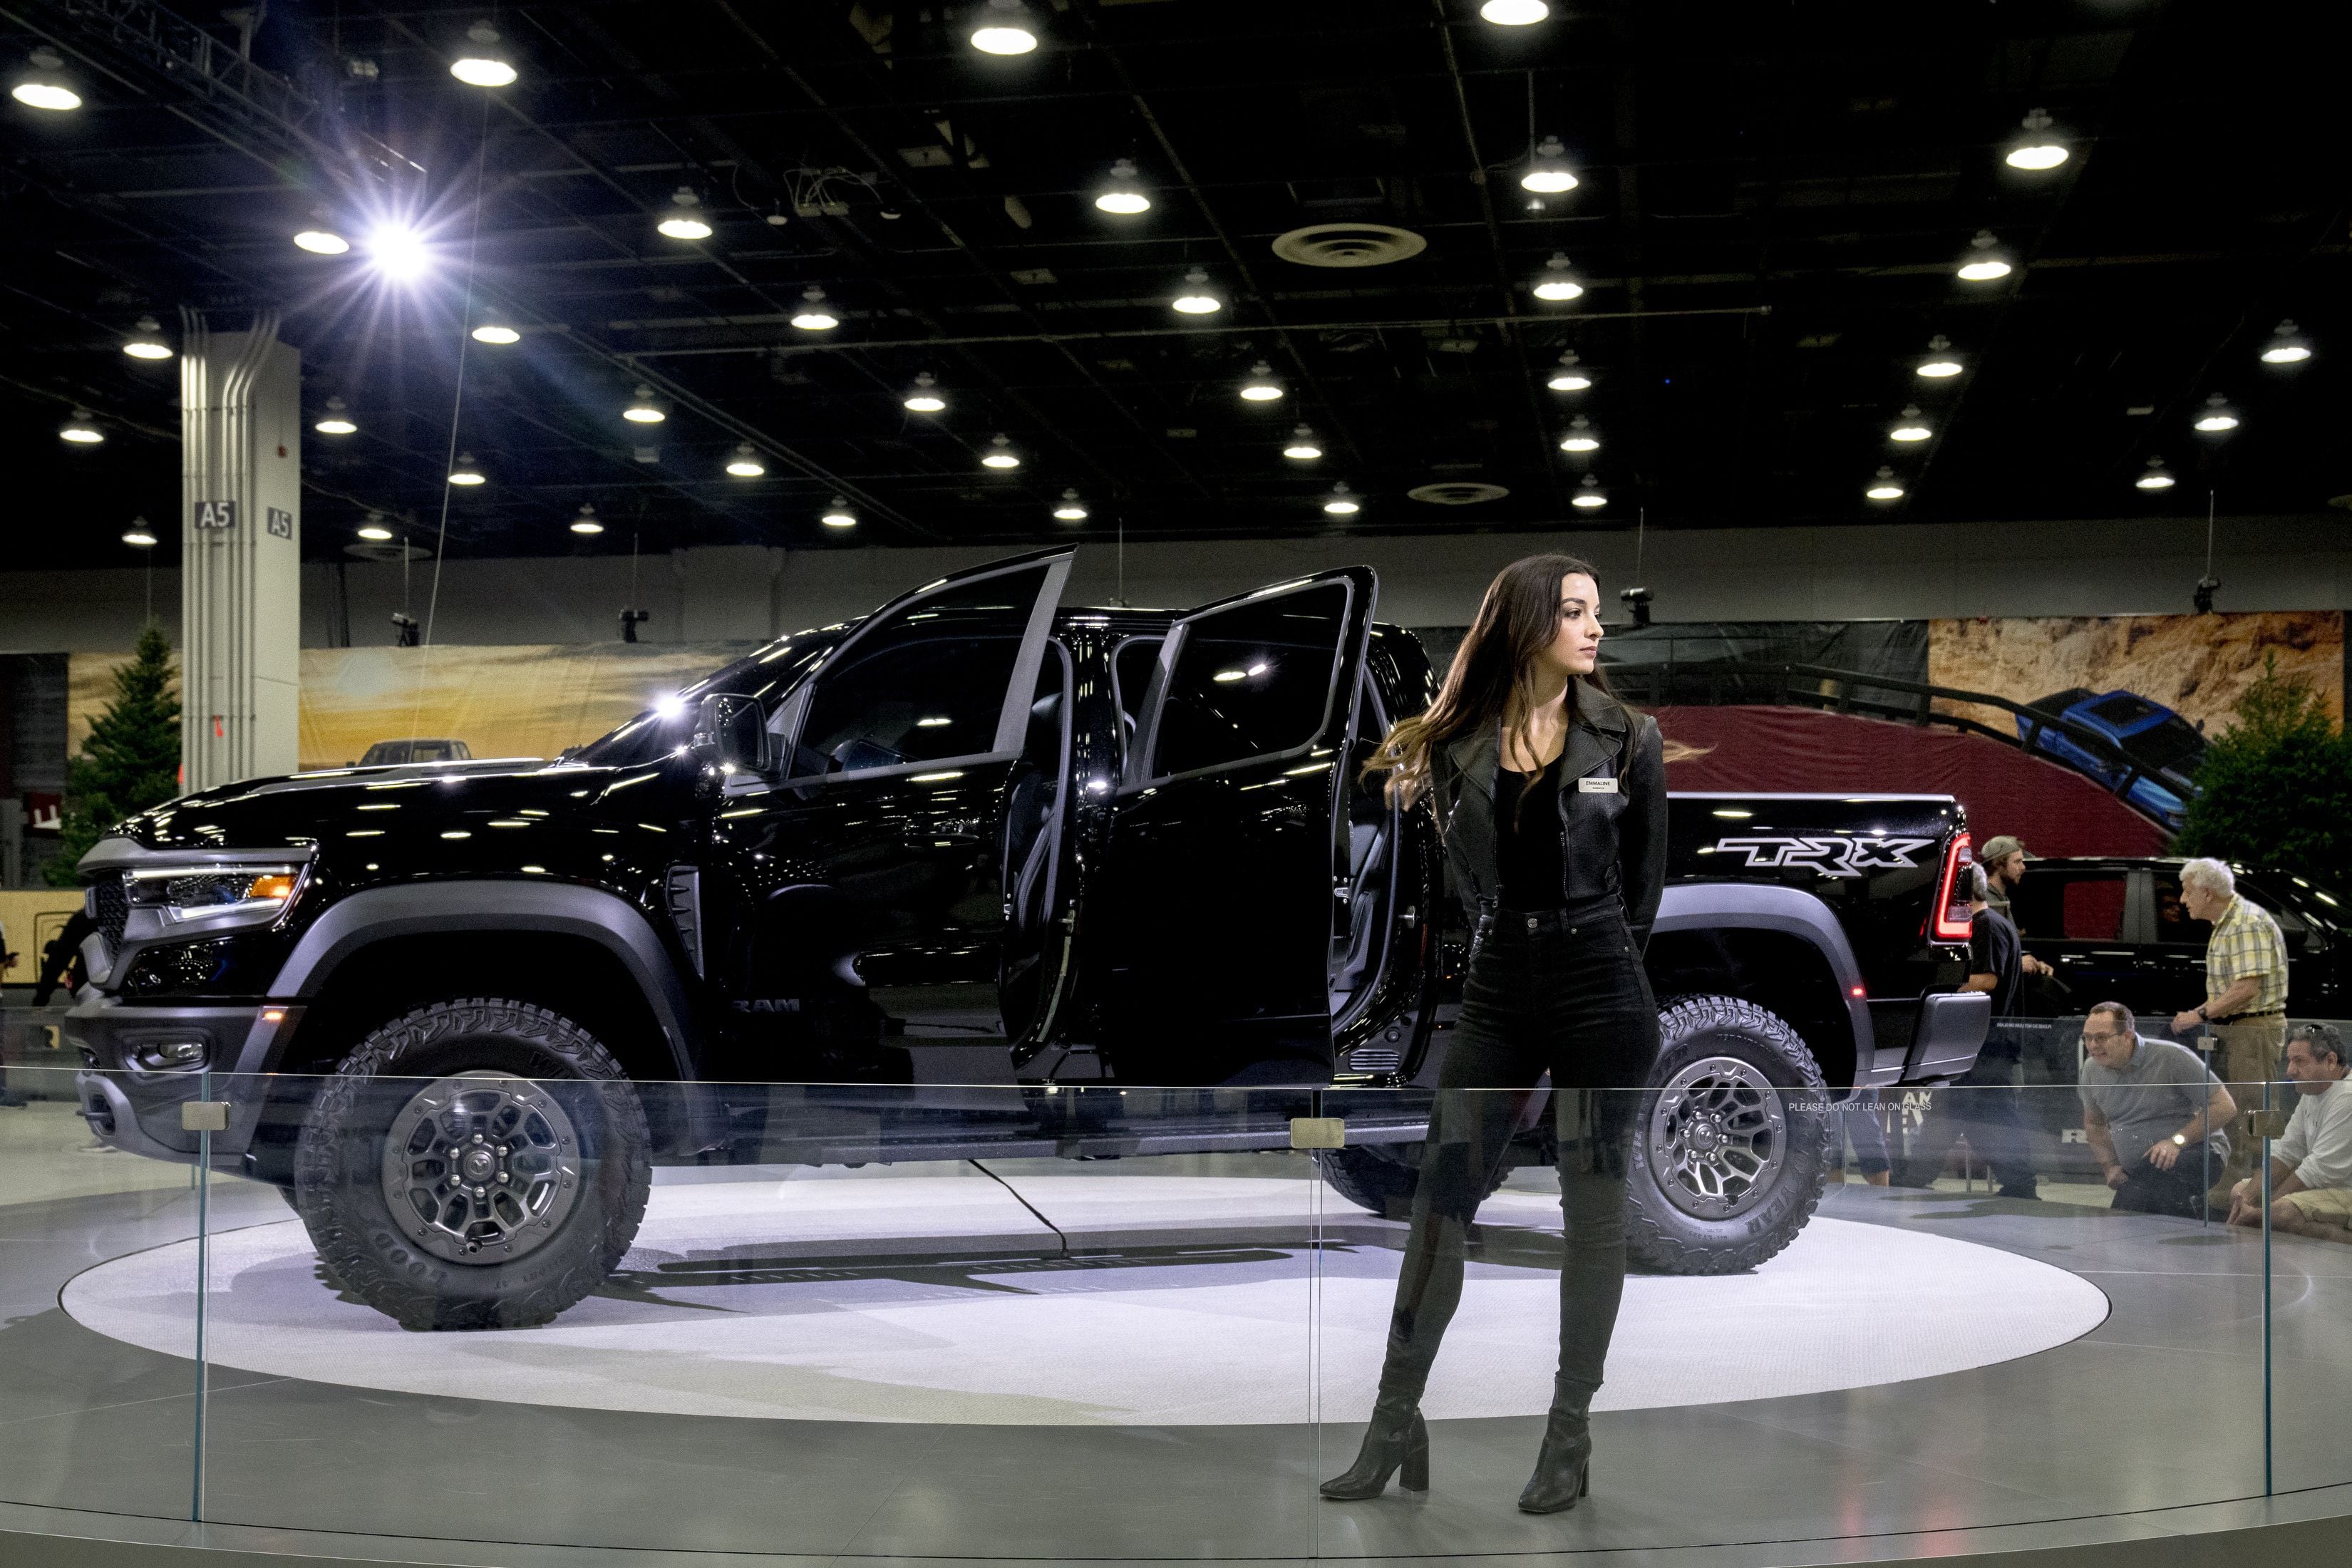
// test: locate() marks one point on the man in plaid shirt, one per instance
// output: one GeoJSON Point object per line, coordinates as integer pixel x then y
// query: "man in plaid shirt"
{"type": "Point", "coordinates": [2245, 999]}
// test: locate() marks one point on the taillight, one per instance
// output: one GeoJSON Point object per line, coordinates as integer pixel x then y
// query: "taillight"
{"type": "Point", "coordinates": [1950, 920]}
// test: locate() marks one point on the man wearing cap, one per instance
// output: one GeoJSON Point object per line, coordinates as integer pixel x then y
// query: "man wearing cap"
{"type": "Point", "coordinates": [2245, 997]}
{"type": "Point", "coordinates": [2003, 867]}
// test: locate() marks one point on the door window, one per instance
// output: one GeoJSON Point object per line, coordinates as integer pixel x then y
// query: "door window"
{"type": "Point", "coordinates": [1253, 680]}
{"type": "Point", "coordinates": [926, 686]}
{"type": "Point", "coordinates": [1132, 670]}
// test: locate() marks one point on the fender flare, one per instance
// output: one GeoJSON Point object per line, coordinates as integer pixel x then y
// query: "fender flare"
{"type": "Point", "coordinates": [493, 904]}
{"type": "Point", "coordinates": [1793, 912]}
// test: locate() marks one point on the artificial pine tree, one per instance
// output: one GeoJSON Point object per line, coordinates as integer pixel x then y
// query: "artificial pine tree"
{"type": "Point", "coordinates": [132, 760]}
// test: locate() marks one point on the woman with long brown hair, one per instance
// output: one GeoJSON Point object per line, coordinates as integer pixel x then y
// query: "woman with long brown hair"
{"type": "Point", "coordinates": [1551, 796]}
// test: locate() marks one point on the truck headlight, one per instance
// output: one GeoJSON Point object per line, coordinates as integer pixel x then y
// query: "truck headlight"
{"type": "Point", "coordinates": [213, 898]}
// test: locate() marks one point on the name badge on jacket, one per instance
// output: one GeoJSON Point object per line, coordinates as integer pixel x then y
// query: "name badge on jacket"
{"type": "Point", "coordinates": [1596, 786]}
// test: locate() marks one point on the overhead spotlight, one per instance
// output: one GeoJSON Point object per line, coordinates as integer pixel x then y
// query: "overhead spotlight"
{"type": "Point", "coordinates": [139, 536]}
{"type": "Point", "coordinates": [1341, 502]}
{"type": "Point", "coordinates": [373, 529]}
{"type": "Point", "coordinates": [1004, 29]}
{"type": "Point", "coordinates": [2037, 150]}
{"type": "Point", "coordinates": [1001, 455]}
{"type": "Point", "coordinates": [1070, 508]}
{"type": "Point", "coordinates": [44, 87]}
{"type": "Point", "coordinates": [2156, 478]}
{"type": "Point", "coordinates": [2203, 595]}
{"type": "Point", "coordinates": [1940, 361]}
{"type": "Point", "coordinates": [1197, 300]}
{"type": "Point", "coordinates": [585, 522]}
{"type": "Point", "coordinates": [1580, 437]}
{"type": "Point", "coordinates": [493, 332]}
{"type": "Point", "coordinates": [814, 315]}
{"type": "Point", "coordinates": [1303, 447]}
{"type": "Point", "coordinates": [465, 473]}
{"type": "Point", "coordinates": [1909, 427]}
{"type": "Point", "coordinates": [1637, 600]}
{"type": "Point", "coordinates": [1884, 487]}
{"type": "Point", "coordinates": [2286, 346]}
{"type": "Point", "coordinates": [2217, 417]}
{"type": "Point", "coordinates": [399, 252]}
{"type": "Point", "coordinates": [336, 420]}
{"type": "Point", "coordinates": [1124, 194]}
{"type": "Point", "coordinates": [1554, 282]}
{"type": "Point", "coordinates": [322, 242]}
{"type": "Point", "coordinates": [1548, 175]}
{"type": "Point", "coordinates": [838, 514]}
{"type": "Point", "coordinates": [1260, 386]}
{"type": "Point", "coordinates": [81, 429]}
{"type": "Point", "coordinates": [642, 409]}
{"type": "Point", "coordinates": [145, 341]}
{"type": "Point", "coordinates": [1590, 494]}
{"type": "Point", "coordinates": [684, 221]}
{"type": "Point", "coordinates": [1567, 377]}
{"type": "Point", "coordinates": [745, 464]}
{"type": "Point", "coordinates": [925, 398]}
{"type": "Point", "coordinates": [482, 63]}
{"type": "Point", "coordinates": [1515, 13]}
{"type": "Point", "coordinates": [1983, 262]}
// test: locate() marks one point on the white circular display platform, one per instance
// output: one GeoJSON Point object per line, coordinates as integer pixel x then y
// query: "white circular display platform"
{"type": "Point", "coordinates": [1186, 1300]}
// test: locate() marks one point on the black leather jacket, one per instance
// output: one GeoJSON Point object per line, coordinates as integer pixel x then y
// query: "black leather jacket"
{"type": "Point", "coordinates": [1614, 839]}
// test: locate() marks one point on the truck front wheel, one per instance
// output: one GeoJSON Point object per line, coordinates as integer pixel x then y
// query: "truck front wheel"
{"type": "Point", "coordinates": [475, 1164]}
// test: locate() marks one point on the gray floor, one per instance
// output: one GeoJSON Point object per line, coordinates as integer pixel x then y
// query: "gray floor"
{"type": "Point", "coordinates": [2160, 1408]}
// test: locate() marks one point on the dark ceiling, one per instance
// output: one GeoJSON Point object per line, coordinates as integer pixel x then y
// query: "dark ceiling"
{"type": "Point", "coordinates": [1774, 198]}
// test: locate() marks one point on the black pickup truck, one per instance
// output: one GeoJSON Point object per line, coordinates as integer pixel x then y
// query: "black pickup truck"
{"type": "Point", "coordinates": [976, 875]}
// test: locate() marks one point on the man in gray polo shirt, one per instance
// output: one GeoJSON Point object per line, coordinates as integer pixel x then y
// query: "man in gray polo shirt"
{"type": "Point", "coordinates": [2154, 1116]}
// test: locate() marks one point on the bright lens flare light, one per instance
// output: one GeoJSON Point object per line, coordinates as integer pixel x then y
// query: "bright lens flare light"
{"type": "Point", "coordinates": [398, 253]}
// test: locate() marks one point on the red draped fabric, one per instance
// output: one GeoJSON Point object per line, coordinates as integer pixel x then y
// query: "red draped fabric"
{"type": "Point", "coordinates": [2053, 809]}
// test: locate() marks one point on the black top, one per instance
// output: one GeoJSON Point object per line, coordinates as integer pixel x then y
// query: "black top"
{"type": "Point", "coordinates": [1993, 949]}
{"type": "Point", "coordinates": [1527, 834]}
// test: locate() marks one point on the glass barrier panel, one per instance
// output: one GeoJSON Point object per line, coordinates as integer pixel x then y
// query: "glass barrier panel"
{"type": "Point", "coordinates": [865, 1320]}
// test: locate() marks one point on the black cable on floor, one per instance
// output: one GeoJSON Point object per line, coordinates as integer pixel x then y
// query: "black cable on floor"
{"type": "Point", "coordinates": [1025, 1203]}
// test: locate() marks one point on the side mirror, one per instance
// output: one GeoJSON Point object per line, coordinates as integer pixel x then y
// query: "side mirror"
{"type": "Point", "coordinates": [732, 732]}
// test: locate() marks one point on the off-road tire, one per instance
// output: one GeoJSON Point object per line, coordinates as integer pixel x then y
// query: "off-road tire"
{"type": "Point", "coordinates": [339, 1164]}
{"type": "Point", "coordinates": [1664, 1235]}
{"type": "Point", "coordinates": [1382, 1177]}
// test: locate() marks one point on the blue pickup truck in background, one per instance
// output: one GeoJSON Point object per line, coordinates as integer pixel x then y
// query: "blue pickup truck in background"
{"type": "Point", "coordinates": [2163, 748]}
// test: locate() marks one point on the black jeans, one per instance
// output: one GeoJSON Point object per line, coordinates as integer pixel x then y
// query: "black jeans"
{"type": "Point", "coordinates": [1986, 1104]}
{"type": "Point", "coordinates": [2180, 1191]}
{"type": "Point", "coordinates": [1562, 993]}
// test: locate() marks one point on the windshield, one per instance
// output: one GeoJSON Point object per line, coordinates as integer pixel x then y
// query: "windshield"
{"type": "Point", "coordinates": [663, 727]}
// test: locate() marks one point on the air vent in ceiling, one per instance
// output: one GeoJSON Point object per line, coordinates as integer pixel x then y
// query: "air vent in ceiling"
{"type": "Point", "coordinates": [1458, 492]}
{"type": "Point", "coordinates": [1349, 245]}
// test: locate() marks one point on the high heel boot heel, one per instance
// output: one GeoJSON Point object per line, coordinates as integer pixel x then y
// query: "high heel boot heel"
{"type": "Point", "coordinates": [1563, 1467]}
{"type": "Point", "coordinates": [1397, 1438]}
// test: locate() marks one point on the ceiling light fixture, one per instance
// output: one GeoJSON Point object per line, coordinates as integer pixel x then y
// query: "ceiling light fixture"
{"type": "Point", "coordinates": [1882, 486]}
{"type": "Point", "coordinates": [399, 252]}
{"type": "Point", "coordinates": [838, 514]}
{"type": "Point", "coordinates": [465, 473]}
{"type": "Point", "coordinates": [1554, 282]}
{"type": "Point", "coordinates": [642, 410]}
{"type": "Point", "coordinates": [335, 421]}
{"type": "Point", "coordinates": [1908, 428]}
{"type": "Point", "coordinates": [1548, 173]}
{"type": "Point", "coordinates": [925, 397]}
{"type": "Point", "coordinates": [687, 221]}
{"type": "Point", "coordinates": [814, 315]}
{"type": "Point", "coordinates": [1197, 299]}
{"type": "Point", "coordinates": [1983, 263]}
{"type": "Point", "coordinates": [1070, 508]}
{"type": "Point", "coordinates": [322, 242]}
{"type": "Point", "coordinates": [2286, 345]}
{"type": "Point", "coordinates": [1940, 361]}
{"type": "Point", "coordinates": [2156, 478]}
{"type": "Point", "coordinates": [373, 529]}
{"type": "Point", "coordinates": [1260, 386]}
{"type": "Point", "coordinates": [81, 429]}
{"type": "Point", "coordinates": [1580, 437]}
{"type": "Point", "coordinates": [745, 464]}
{"type": "Point", "coordinates": [139, 537]}
{"type": "Point", "coordinates": [1124, 196]}
{"type": "Point", "coordinates": [145, 343]}
{"type": "Point", "coordinates": [1567, 378]}
{"type": "Point", "coordinates": [1341, 503]}
{"type": "Point", "coordinates": [483, 63]}
{"type": "Point", "coordinates": [1590, 494]}
{"type": "Point", "coordinates": [2037, 150]}
{"type": "Point", "coordinates": [1303, 447]}
{"type": "Point", "coordinates": [1001, 455]}
{"type": "Point", "coordinates": [1004, 29]}
{"type": "Point", "coordinates": [45, 88]}
{"type": "Point", "coordinates": [586, 523]}
{"type": "Point", "coordinates": [1515, 13]}
{"type": "Point", "coordinates": [2217, 417]}
{"type": "Point", "coordinates": [493, 332]}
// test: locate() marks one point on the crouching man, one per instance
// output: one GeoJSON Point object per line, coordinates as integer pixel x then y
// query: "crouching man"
{"type": "Point", "coordinates": [2311, 1167]}
{"type": "Point", "coordinates": [2153, 1114]}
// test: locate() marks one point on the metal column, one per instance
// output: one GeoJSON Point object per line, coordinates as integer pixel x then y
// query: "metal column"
{"type": "Point", "coordinates": [241, 537]}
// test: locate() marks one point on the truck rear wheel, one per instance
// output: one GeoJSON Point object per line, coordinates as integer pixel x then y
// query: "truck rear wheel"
{"type": "Point", "coordinates": [475, 1164]}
